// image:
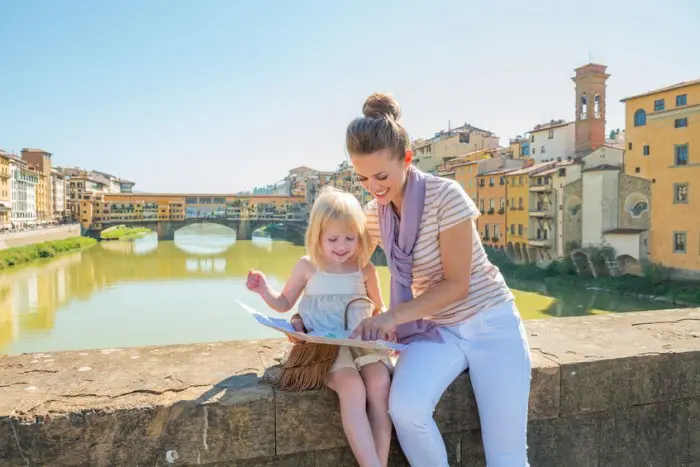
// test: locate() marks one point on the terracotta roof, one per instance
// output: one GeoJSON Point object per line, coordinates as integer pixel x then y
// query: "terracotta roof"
{"type": "Point", "coordinates": [36, 150]}
{"type": "Point", "coordinates": [550, 125]}
{"type": "Point", "coordinates": [526, 170]}
{"type": "Point", "coordinates": [682, 84]}
{"type": "Point", "coordinates": [602, 167]}
{"type": "Point", "coordinates": [624, 231]}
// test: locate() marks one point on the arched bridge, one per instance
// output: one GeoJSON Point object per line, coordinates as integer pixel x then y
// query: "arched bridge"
{"type": "Point", "coordinates": [243, 227]}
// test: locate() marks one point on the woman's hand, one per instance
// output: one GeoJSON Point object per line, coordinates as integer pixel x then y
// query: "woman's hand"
{"type": "Point", "coordinates": [298, 325]}
{"type": "Point", "coordinates": [378, 327]}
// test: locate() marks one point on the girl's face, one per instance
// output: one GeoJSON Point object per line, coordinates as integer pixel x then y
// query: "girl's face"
{"type": "Point", "coordinates": [339, 243]}
{"type": "Point", "coordinates": [382, 174]}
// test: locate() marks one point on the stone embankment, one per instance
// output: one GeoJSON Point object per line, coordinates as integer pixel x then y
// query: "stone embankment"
{"type": "Point", "coordinates": [614, 390]}
{"type": "Point", "coordinates": [29, 237]}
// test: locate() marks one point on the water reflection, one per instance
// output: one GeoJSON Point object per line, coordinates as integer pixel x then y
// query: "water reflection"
{"type": "Point", "coordinates": [145, 295]}
{"type": "Point", "coordinates": [139, 246]}
{"type": "Point", "coordinates": [205, 239]}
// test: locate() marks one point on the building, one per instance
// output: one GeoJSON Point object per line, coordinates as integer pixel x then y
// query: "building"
{"type": "Point", "coordinates": [518, 209]}
{"type": "Point", "coordinates": [663, 141]}
{"type": "Point", "coordinates": [41, 160]}
{"type": "Point", "coordinates": [520, 147]}
{"type": "Point", "coordinates": [492, 204]}
{"type": "Point", "coordinates": [553, 140]}
{"type": "Point", "coordinates": [590, 83]}
{"type": "Point", "coordinates": [58, 191]}
{"type": "Point", "coordinates": [24, 179]}
{"type": "Point", "coordinates": [430, 153]}
{"type": "Point", "coordinates": [5, 190]}
{"type": "Point", "coordinates": [101, 210]}
{"type": "Point", "coordinates": [126, 186]}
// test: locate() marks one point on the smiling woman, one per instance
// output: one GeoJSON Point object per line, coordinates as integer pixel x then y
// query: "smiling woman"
{"type": "Point", "coordinates": [463, 314]}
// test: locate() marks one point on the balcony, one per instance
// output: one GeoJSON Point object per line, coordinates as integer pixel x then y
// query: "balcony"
{"type": "Point", "coordinates": [540, 242]}
{"type": "Point", "coordinates": [542, 211]}
{"type": "Point", "coordinates": [540, 188]}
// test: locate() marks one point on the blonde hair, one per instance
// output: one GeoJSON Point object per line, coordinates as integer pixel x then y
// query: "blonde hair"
{"type": "Point", "coordinates": [379, 128]}
{"type": "Point", "coordinates": [333, 205]}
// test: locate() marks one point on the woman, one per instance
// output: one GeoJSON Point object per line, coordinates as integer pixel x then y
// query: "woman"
{"type": "Point", "coordinates": [463, 315]}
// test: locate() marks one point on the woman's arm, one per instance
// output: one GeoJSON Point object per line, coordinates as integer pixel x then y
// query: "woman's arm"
{"type": "Point", "coordinates": [457, 269]}
{"type": "Point", "coordinates": [372, 284]}
{"type": "Point", "coordinates": [285, 301]}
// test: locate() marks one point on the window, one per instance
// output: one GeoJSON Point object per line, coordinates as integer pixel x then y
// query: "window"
{"type": "Point", "coordinates": [584, 107]}
{"type": "Point", "coordinates": [659, 105]}
{"type": "Point", "coordinates": [486, 231]}
{"type": "Point", "coordinates": [640, 118]}
{"type": "Point", "coordinates": [680, 195]}
{"type": "Point", "coordinates": [520, 229]}
{"type": "Point", "coordinates": [562, 172]}
{"type": "Point", "coordinates": [542, 149]}
{"type": "Point", "coordinates": [645, 150]}
{"type": "Point", "coordinates": [496, 231]}
{"type": "Point", "coordinates": [520, 203]}
{"type": "Point", "coordinates": [492, 204]}
{"type": "Point", "coordinates": [596, 106]}
{"type": "Point", "coordinates": [521, 180]}
{"type": "Point", "coordinates": [491, 181]}
{"type": "Point", "coordinates": [551, 134]}
{"type": "Point", "coordinates": [629, 146]}
{"type": "Point", "coordinates": [503, 203]}
{"type": "Point", "coordinates": [681, 100]}
{"type": "Point", "coordinates": [637, 170]}
{"type": "Point", "coordinates": [681, 153]}
{"type": "Point", "coordinates": [681, 122]}
{"type": "Point", "coordinates": [512, 229]}
{"type": "Point", "coordinates": [679, 242]}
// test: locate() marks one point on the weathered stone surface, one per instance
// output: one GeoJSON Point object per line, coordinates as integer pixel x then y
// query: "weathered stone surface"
{"type": "Point", "coordinates": [606, 390]}
{"type": "Point", "coordinates": [616, 360]}
{"type": "Point", "coordinates": [343, 457]}
{"type": "Point", "coordinates": [571, 442]}
{"type": "Point", "coordinates": [651, 434]}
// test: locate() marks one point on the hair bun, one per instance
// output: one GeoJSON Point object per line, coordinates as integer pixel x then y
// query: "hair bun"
{"type": "Point", "coordinates": [381, 104]}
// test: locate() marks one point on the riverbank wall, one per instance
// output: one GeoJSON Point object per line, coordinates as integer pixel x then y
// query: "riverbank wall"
{"type": "Point", "coordinates": [611, 390]}
{"type": "Point", "coordinates": [30, 237]}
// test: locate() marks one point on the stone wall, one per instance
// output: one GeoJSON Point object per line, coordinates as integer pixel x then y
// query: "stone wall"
{"type": "Point", "coordinates": [30, 237]}
{"type": "Point", "coordinates": [635, 187]}
{"type": "Point", "coordinates": [612, 390]}
{"type": "Point", "coordinates": [572, 212]}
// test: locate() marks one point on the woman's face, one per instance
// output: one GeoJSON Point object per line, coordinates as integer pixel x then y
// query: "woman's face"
{"type": "Point", "coordinates": [382, 174]}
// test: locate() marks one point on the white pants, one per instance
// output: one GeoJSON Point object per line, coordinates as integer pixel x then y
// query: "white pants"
{"type": "Point", "coordinates": [493, 346]}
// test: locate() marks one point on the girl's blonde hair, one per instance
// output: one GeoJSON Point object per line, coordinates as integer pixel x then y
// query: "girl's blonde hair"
{"type": "Point", "coordinates": [331, 206]}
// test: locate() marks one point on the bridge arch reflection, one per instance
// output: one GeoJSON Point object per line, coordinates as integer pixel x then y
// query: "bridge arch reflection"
{"type": "Point", "coordinates": [204, 239]}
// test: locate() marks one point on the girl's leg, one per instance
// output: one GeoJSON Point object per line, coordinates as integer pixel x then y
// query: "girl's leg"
{"type": "Point", "coordinates": [377, 382]}
{"type": "Point", "coordinates": [422, 374]}
{"type": "Point", "coordinates": [499, 367]}
{"type": "Point", "coordinates": [348, 384]}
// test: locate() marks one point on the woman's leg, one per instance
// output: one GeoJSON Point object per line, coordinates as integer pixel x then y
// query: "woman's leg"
{"type": "Point", "coordinates": [422, 374]}
{"type": "Point", "coordinates": [377, 382]}
{"type": "Point", "coordinates": [348, 384]}
{"type": "Point", "coordinates": [499, 368]}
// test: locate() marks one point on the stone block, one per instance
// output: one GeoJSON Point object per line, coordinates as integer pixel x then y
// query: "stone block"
{"type": "Point", "coordinates": [457, 410]}
{"type": "Point", "coordinates": [343, 457]}
{"type": "Point", "coordinates": [651, 434]}
{"type": "Point", "coordinates": [571, 442]}
{"type": "Point", "coordinates": [545, 388]}
{"type": "Point", "coordinates": [308, 421]}
{"type": "Point", "coordinates": [473, 449]}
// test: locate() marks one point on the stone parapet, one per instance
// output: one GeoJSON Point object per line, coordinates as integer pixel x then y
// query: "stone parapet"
{"type": "Point", "coordinates": [612, 390]}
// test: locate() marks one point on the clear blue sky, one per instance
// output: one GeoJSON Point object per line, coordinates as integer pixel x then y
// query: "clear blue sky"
{"type": "Point", "coordinates": [222, 95]}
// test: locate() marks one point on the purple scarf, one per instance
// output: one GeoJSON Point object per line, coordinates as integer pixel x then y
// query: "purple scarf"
{"type": "Point", "coordinates": [398, 239]}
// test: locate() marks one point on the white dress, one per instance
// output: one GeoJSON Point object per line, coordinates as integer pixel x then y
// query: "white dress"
{"type": "Point", "coordinates": [323, 304]}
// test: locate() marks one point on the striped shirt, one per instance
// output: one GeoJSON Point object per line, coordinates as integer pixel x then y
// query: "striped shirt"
{"type": "Point", "coordinates": [446, 205]}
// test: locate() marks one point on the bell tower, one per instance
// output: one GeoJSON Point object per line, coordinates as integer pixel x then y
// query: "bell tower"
{"type": "Point", "coordinates": [590, 107]}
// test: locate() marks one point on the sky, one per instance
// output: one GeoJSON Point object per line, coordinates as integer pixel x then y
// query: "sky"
{"type": "Point", "coordinates": [220, 96]}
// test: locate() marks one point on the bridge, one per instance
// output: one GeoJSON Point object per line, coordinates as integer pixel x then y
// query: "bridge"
{"type": "Point", "coordinates": [167, 213]}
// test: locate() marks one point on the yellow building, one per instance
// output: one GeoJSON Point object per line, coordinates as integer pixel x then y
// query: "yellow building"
{"type": "Point", "coordinates": [41, 206]}
{"type": "Point", "coordinates": [492, 204]}
{"type": "Point", "coordinates": [5, 190]}
{"type": "Point", "coordinates": [663, 145]}
{"type": "Point", "coordinates": [518, 196]}
{"type": "Point", "coordinates": [432, 152]}
{"type": "Point", "coordinates": [41, 161]}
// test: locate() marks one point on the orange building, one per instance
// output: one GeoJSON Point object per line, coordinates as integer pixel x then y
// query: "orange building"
{"type": "Point", "coordinates": [492, 202]}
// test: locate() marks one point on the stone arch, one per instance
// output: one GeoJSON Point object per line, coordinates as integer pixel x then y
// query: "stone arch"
{"type": "Point", "coordinates": [510, 251]}
{"type": "Point", "coordinates": [518, 252]}
{"type": "Point", "coordinates": [582, 263]}
{"type": "Point", "coordinates": [636, 204]}
{"type": "Point", "coordinates": [583, 108]}
{"type": "Point", "coordinates": [629, 265]}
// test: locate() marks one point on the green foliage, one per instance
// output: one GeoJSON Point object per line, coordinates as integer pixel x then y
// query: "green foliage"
{"type": "Point", "coordinates": [123, 232]}
{"type": "Point", "coordinates": [24, 254]}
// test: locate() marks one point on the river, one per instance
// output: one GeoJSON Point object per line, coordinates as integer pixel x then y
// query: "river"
{"type": "Point", "coordinates": [120, 294]}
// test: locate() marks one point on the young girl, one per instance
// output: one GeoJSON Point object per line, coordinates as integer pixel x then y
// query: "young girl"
{"type": "Point", "coordinates": [336, 270]}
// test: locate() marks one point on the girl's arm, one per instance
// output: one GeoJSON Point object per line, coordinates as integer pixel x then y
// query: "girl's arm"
{"type": "Point", "coordinates": [285, 301]}
{"type": "Point", "coordinates": [371, 278]}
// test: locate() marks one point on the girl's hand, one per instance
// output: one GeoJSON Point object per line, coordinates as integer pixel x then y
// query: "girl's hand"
{"type": "Point", "coordinates": [256, 282]}
{"type": "Point", "coordinates": [378, 327]}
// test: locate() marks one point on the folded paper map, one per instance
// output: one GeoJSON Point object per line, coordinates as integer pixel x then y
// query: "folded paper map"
{"type": "Point", "coordinates": [320, 336]}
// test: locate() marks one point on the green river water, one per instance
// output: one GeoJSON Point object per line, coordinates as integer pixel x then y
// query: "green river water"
{"type": "Point", "coordinates": [120, 294]}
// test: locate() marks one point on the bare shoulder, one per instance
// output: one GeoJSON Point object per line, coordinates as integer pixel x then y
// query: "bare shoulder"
{"type": "Point", "coordinates": [305, 266]}
{"type": "Point", "coordinates": [369, 270]}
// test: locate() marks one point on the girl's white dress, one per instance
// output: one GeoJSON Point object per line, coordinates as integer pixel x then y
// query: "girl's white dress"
{"type": "Point", "coordinates": [323, 307]}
